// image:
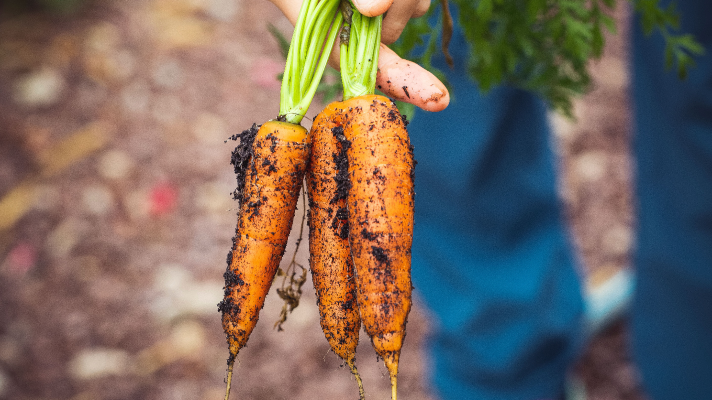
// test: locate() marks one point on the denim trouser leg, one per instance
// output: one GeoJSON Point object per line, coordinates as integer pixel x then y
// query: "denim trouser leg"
{"type": "Point", "coordinates": [672, 311]}
{"type": "Point", "coordinates": [491, 255]}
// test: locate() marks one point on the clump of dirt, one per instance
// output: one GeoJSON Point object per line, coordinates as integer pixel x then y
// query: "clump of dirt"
{"type": "Point", "coordinates": [343, 183]}
{"type": "Point", "coordinates": [241, 156]}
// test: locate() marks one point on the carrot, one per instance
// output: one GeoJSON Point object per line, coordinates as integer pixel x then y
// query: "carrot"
{"type": "Point", "coordinates": [270, 164]}
{"type": "Point", "coordinates": [330, 260]}
{"type": "Point", "coordinates": [380, 197]}
{"type": "Point", "coordinates": [380, 204]}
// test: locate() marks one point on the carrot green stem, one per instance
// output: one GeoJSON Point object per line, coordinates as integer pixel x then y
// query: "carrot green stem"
{"type": "Point", "coordinates": [314, 36]}
{"type": "Point", "coordinates": [360, 44]}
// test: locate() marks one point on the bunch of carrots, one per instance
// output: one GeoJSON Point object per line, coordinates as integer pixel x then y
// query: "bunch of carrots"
{"type": "Point", "coordinates": [358, 165]}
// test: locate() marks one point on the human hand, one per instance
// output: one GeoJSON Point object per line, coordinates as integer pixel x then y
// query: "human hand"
{"type": "Point", "coordinates": [398, 78]}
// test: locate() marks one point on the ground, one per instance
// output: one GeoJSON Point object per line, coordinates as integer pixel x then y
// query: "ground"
{"type": "Point", "coordinates": [116, 212]}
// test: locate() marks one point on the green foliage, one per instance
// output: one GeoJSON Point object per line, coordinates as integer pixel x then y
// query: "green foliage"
{"type": "Point", "coordinates": [314, 34]}
{"type": "Point", "coordinates": [679, 49]}
{"type": "Point", "coordinates": [541, 45]}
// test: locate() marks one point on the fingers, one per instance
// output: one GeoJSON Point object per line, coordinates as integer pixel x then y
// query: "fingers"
{"type": "Point", "coordinates": [409, 82]}
{"type": "Point", "coordinates": [399, 12]}
{"type": "Point", "coordinates": [371, 8]}
{"type": "Point", "coordinates": [398, 16]}
{"type": "Point", "coordinates": [398, 78]}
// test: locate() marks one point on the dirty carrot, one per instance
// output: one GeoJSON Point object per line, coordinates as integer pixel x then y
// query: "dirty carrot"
{"type": "Point", "coordinates": [330, 259]}
{"type": "Point", "coordinates": [270, 163]}
{"type": "Point", "coordinates": [380, 204]}
{"type": "Point", "coordinates": [380, 197]}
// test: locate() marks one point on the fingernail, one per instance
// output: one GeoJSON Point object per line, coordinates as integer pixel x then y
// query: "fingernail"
{"type": "Point", "coordinates": [372, 8]}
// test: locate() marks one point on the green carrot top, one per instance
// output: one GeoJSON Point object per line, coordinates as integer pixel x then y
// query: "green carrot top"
{"type": "Point", "coordinates": [360, 43]}
{"type": "Point", "coordinates": [314, 36]}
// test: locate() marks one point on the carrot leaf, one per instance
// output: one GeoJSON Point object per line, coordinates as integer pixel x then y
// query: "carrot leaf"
{"type": "Point", "coordinates": [360, 44]}
{"type": "Point", "coordinates": [314, 35]}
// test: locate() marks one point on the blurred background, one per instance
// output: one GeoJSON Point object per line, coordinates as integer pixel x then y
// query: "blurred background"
{"type": "Point", "coordinates": [116, 212]}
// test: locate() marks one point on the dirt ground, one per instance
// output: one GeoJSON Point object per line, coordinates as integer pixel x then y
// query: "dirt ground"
{"type": "Point", "coordinates": [116, 214]}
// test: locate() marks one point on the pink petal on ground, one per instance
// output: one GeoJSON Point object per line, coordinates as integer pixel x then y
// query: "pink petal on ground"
{"type": "Point", "coordinates": [163, 198]}
{"type": "Point", "coordinates": [21, 259]}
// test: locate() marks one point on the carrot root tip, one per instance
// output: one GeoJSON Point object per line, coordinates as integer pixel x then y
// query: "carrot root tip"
{"type": "Point", "coordinates": [394, 386]}
{"type": "Point", "coordinates": [354, 371]}
{"type": "Point", "coordinates": [230, 367]}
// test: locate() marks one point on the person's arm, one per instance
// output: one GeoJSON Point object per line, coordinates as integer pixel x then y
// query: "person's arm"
{"type": "Point", "coordinates": [397, 78]}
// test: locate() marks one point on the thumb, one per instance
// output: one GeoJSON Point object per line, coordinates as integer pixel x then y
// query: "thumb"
{"type": "Point", "coordinates": [409, 82]}
{"type": "Point", "coordinates": [372, 8]}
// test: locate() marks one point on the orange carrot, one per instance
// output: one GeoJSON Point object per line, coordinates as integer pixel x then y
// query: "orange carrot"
{"type": "Point", "coordinates": [380, 199]}
{"type": "Point", "coordinates": [380, 204]}
{"type": "Point", "coordinates": [330, 259]}
{"type": "Point", "coordinates": [270, 165]}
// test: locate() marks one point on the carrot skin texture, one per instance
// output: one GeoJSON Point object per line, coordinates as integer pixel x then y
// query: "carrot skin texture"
{"type": "Point", "coordinates": [330, 259]}
{"type": "Point", "coordinates": [380, 203]}
{"type": "Point", "coordinates": [272, 179]}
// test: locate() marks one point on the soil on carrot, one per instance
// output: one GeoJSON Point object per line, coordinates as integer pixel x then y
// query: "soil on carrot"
{"type": "Point", "coordinates": [242, 155]}
{"type": "Point", "coordinates": [343, 183]}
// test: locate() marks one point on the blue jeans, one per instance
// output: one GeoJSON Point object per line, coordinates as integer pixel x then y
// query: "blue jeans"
{"type": "Point", "coordinates": [672, 310]}
{"type": "Point", "coordinates": [491, 255]}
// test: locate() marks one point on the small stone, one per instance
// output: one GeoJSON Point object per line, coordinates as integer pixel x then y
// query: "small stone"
{"type": "Point", "coordinates": [214, 197]}
{"type": "Point", "coordinates": [178, 294]}
{"type": "Point", "coordinates": [170, 277]}
{"type": "Point", "coordinates": [136, 97]}
{"type": "Point", "coordinates": [209, 128]}
{"type": "Point", "coordinates": [115, 164]}
{"type": "Point", "coordinates": [98, 363]}
{"type": "Point", "coordinates": [591, 166]}
{"type": "Point", "coordinates": [98, 199]}
{"type": "Point", "coordinates": [617, 240]}
{"type": "Point", "coordinates": [222, 10]}
{"type": "Point", "coordinates": [188, 338]}
{"type": "Point", "coordinates": [41, 88]}
{"type": "Point", "coordinates": [201, 298]}
{"type": "Point", "coordinates": [168, 74]}
{"type": "Point", "coordinates": [102, 37]}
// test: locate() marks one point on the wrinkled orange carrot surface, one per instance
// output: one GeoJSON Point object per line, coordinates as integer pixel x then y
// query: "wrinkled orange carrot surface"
{"type": "Point", "coordinates": [329, 253]}
{"type": "Point", "coordinates": [380, 204]}
{"type": "Point", "coordinates": [270, 172]}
